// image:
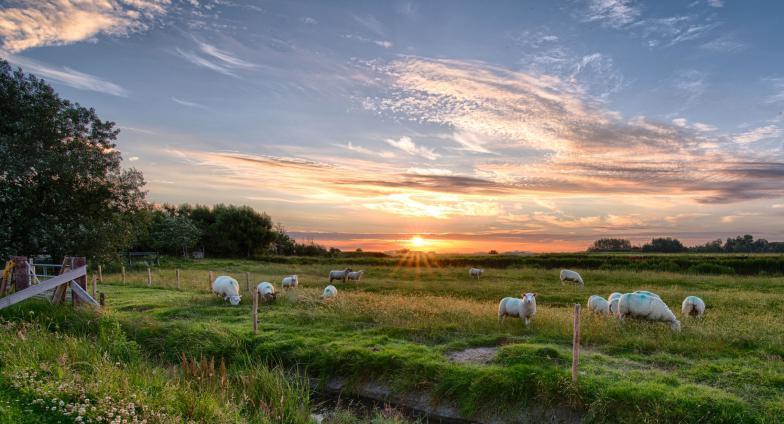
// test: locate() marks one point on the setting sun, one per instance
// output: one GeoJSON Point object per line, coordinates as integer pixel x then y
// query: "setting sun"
{"type": "Point", "coordinates": [417, 241]}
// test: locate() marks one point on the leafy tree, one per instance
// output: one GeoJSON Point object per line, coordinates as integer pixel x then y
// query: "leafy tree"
{"type": "Point", "coordinates": [611, 245]}
{"type": "Point", "coordinates": [664, 245]}
{"type": "Point", "coordinates": [493, 252]}
{"type": "Point", "coordinates": [174, 233]}
{"type": "Point", "coordinates": [62, 187]}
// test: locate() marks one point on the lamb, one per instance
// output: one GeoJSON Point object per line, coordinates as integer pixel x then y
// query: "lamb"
{"type": "Point", "coordinates": [475, 272]}
{"type": "Point", "coordinates": [646, 306]}
{"type": "Point", "coordinates": [568, 275]}
{"type": "Point", "coordinates": [289, 282]}
{"type": "Point", "coordinates": [355, 275]}
{"type": "Point", "coordinates": [693, 306]}
{"type": "Point", "coordinates": [330, 292]}
{"type": "Point", "coordinates": [227, 287]}
{"type": "Point", "coordinates": [598, 304]}
{"type": "Point", "coordinates": [339, 274]}
{"type": "Point", "coordinates": [523, 307]}
{"type": "Point", "coordinates": [266, 291]}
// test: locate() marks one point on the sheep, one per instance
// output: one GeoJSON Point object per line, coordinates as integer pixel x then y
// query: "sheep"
{"type": "Point", "coordinates": [227, 287]}
{"type": "Point", "coordinates": [339, 274]}
{"type": "Point", "coordinates": [266, 292]}
{"type": "Point", "coordinates": [598, 304]}
{"type": "Point", "coordinates": [523, 307]}
{"type": "Point", "coordinates": [330, 292]}
{"type": "Point", "coordinates": [475, 272]}
{"type": "Point", "coordinates": [648, 293]}
{"type": "Point", "coordinates": [645, 306]}
{"type": "Point", "coordinates": [355, 275]}
{"type": "Point", "coordinates": [289, 282]}
{"type": "Point", "coordinates": [567, 275]}
{"type": "Point", "coordinates": [612, 306]}
{"type": "Point", "coordinates": [693, 306]}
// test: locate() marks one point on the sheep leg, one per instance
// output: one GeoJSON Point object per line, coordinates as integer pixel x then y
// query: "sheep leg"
{"type": "Point", "coordinates": [501, 319]}
{"type": "Point", "coordinates": [526, 321]}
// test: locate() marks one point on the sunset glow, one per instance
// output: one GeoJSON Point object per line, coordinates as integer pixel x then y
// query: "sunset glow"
{"type": "Point", "coordinates": [543, 128]}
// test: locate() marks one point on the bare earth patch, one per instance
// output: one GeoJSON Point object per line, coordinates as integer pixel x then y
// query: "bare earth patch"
{"type": "Point", "coordinates": [474, 355]}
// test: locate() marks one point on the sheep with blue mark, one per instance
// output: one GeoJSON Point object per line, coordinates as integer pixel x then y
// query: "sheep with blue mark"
{"type": "Point", "coordinates": [647, 306]}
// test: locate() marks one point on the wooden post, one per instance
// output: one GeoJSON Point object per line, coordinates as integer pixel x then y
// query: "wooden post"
{"type": "Point", "coordinates": [76, 262]}
{"type": "Point", "coordinates": [177, 277]}
{"type": "Point", "coordinates": [576, 344]}
{"type": "Point", "coordinates": [100, 275]}
{"type": "Point", "coordinates": [102, 300]}
{"type": "Point", "coordinates": [247, 282]}
{"type": "Point", "coordinates": [149, 277]}
{"type": "Point", "coordinates": [21, 273]}
{"type": "Point", "coordinates": [209, 286]}
{"type": "Point", "coordinates": [95, 283]}
{"type": "Point", "coordinates": [123, 274]}
{"type": "Point", "coordinates": [255, 311]}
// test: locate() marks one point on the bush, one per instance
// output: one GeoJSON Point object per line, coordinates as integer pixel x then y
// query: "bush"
{"type": "Point", "coordinates": [709, 268]}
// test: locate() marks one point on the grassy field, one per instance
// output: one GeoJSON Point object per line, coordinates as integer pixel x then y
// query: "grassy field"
{"type": "Point", "coordinates": [399, 324]}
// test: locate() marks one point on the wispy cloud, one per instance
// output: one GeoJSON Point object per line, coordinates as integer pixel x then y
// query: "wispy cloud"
{"type": "Point", "coordinates": [189, 104]}
{"type": "Point", "coordinates": [365, 151]}
{"type": "Point", "coordinates": [716, 3]}
{"type": "Point", "coordinates": [25, 24]}
{"type": "Point", "coordinates": [218, 60]}
{"type": "Point", "coordinates": [724, 44]}
{"type": "Point", "coordinates": [611, 13]}
{"type": "Point", "coordinates": [69, 77]}
{"type": "Point", "coordinates": [370, 23]}
{"type": "Point", "coordinates": [382, 43]}
{"type": "Point", "coordinates": [757, 134]}
{"type": "Point", "coordinates": [407, 145]}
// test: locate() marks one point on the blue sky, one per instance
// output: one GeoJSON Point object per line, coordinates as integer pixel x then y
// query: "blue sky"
{"type": "Point", "coordinates": [530, 125]}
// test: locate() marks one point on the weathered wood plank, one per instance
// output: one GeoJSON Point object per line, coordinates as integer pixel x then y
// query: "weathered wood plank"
{"type": "Point", "coordinates": [82, 293]}
{"type": "Point", "coordinates": [40, 288]}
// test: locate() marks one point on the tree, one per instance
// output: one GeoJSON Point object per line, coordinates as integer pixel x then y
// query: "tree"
{"type": "Point", "coordinates": [493, 252]}
{"type": "Point", "coordinates": [172, 233]}
{"type": "Point", "coordinates": [664, 245]}
{"type": "Point", "coordinates": [62, 187]}
{"type": "Point", "coordinates": [611, 245]}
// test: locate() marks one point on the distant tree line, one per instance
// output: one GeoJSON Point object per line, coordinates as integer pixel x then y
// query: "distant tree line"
{"type": "Point", "coordinates": [739, 244]}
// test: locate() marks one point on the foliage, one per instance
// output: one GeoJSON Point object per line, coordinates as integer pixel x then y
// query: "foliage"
{"type": "Point", "coordinates": [611, 245]}
{"type": "Point", "coordinates": [62, 187]}
{"type": "Point", "coordinates": [664, 245]}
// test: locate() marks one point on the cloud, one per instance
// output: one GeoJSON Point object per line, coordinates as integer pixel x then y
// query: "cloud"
{"type": "Point", "coordinates": [442, 207]}
{"type": "Point", "coordinates": [407, 145]}
{"type": "Point", "coordinates": [757, 134]}
{"type": "Point", "coordinates": [777, 85]}
{"type": "Point", "coordinates": [725, 44]}
{"type": "Point", "coordinates": [716, 3]}
{"type": "Point", "coordinates": [69, 77]}
{"type": "Point", "coordinates": [383, 43]}
{"type": "Point", "coordinates": [218, 60]}
{"type": "Point", "coordinates": [133, 159]}
{"type": "Point", "coordinates": [611, 13]}
{"type": "Point", "coordinates": [189, 104]}
{"type": "Point", "coordinates": [370, 23]}
{"type": "Point", "coordinates": [26, 24]}
{"type": "Point", "coordinates": [308, 20]}
{"type": "Point", "coordinates": [365, 151]}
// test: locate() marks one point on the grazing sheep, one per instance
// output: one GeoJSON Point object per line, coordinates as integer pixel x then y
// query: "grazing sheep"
{"type": "Point", "coordinates": [339, 274]}
{"type": "Point", "coordinates": [614, 295]}
{"type": "Point", "coordinates": [523, 307]}
{"type": "Point", "coordinates": [355, 275]}
{"type": "Point", "coordinates": [330, 292]}
{"type": "Point", "coordinates": [228, 288]}
{"type": "Point", "coordinates": [290, 282]}
{"type": "Point", "coordinates": [693, 306]}
{"type": "Point", "coordinates": [648, 293]}
{"type": "Point", "coordinates": [266, 292]}
{"type": "Point", "coordinates": [568, 275]}
{"type": "Point", "coordinates": [598, 304]}
{"type": "Point", "coordinates": [645, 306]}
{"type": "Point", "coordinates": [475, 272]}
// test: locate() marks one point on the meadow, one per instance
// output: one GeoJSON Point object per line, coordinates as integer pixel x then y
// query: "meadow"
{"type": "Point", "coordinates": [396, 332]}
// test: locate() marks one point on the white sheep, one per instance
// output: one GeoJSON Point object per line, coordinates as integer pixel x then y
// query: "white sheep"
{"type": "Point", "coordinates": [354, 275]}
{"type": "Point", "coordinates": [693, 306]}
{"type": "Point", "coordinates": [330, 292]}
{"type": "Point", "coordinates": [339, 274]}
{"type": "Point", "coordinates": [645, 306]}
{"type": "Point", "coordinates": [475, 272]}
{"type": "Point", "coordinates": [598, 304]}
{"type": "Point", "coordinates": [228, 288]}
{"type": "Point", "coordinates": [289, 282]}
{"type": "Point", "coordinates": [568, 275]}
{"type": "Point", "coordinates": [266, 291]}
{"type": "Point", "coordinates": [523, 307]}
{"type": "Point", "coordinates": [648, 293]}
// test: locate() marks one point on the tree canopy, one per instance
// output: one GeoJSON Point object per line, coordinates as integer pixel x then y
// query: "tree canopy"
{"type": "Point", "coordinates": [62, 187]}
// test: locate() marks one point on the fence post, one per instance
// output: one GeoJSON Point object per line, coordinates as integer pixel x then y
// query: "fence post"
{"type": "Point", "coordinates": [76, 262]}
{"type": "Point", "coordinates": [177, 277]}
{"type": "Point", "coordinates": [21, 273]}
{"type": "Point", "coordinates": [255, 311]}
{"type": "Point", "coordinates": [123, 274]}
{"type": "Point", "coordinates": [100, 274]}
{"type": "Point", "coordinates": [209, 286]}
{"type": "Point", "coordinates": [576, 343]}
{"type": "Point", "coordinates": [102, 299]}
{"type": "Point", "coordinates": [149, 277]}
{"type": "Point", "coordinates": [95, 283]}
{"type": "Point", "coordinates": [247, 282]}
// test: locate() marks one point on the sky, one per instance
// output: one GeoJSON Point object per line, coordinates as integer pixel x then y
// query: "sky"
{"type": "Point", "coordinates": [515, 126]}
